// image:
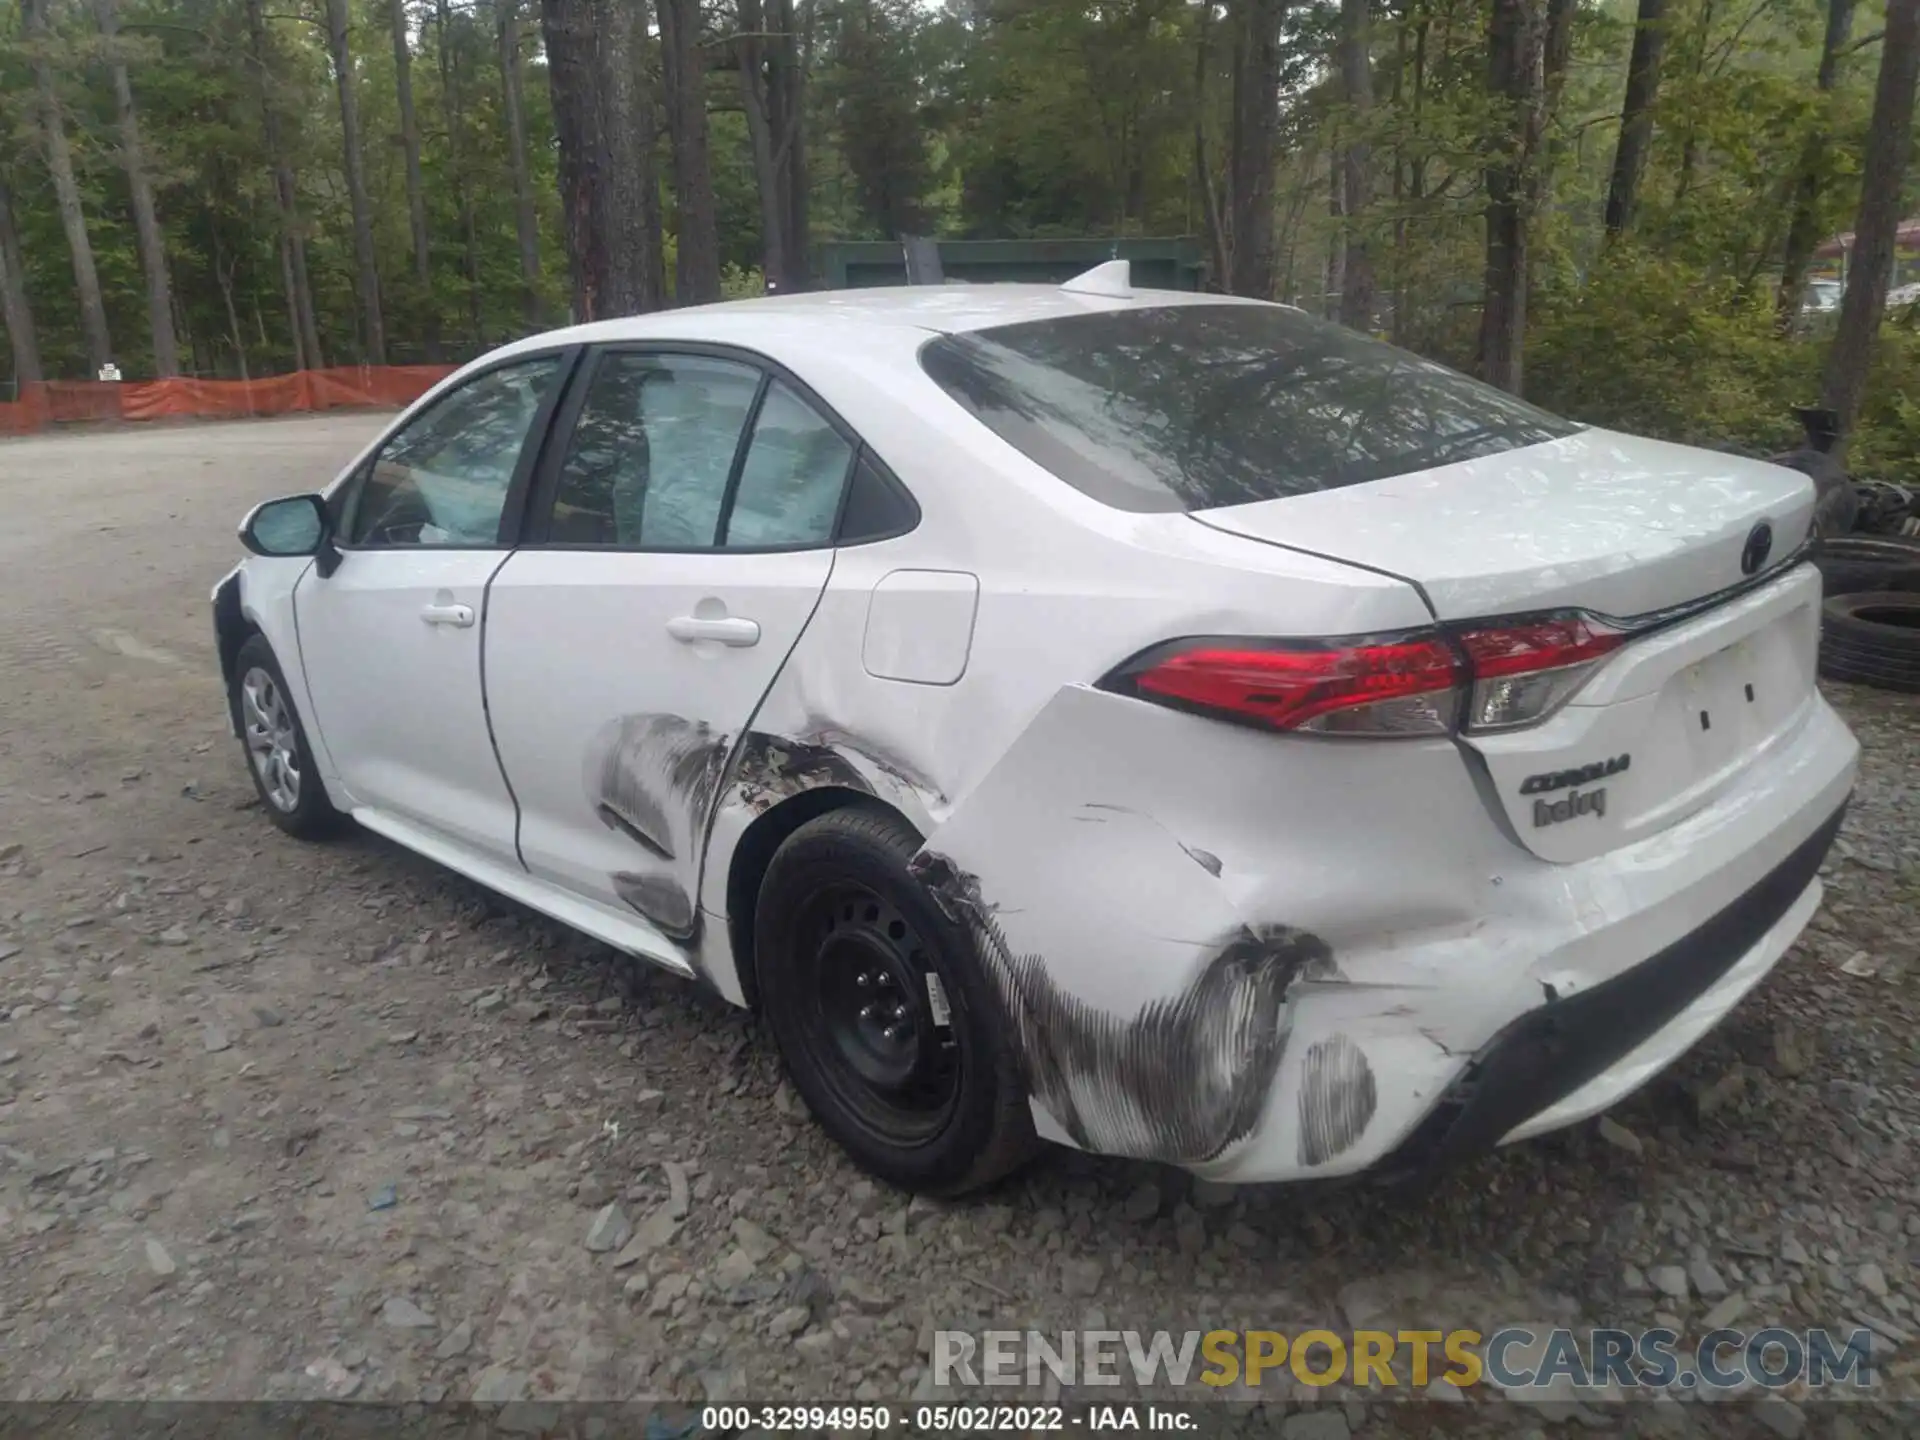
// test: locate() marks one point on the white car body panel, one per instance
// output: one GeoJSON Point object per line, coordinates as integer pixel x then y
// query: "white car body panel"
{"type": "Point", "coordinates": [1260, 956]}
{"type": "Point", "coordinates": [590, 694]}
{"type": "Point", "coordinates": [1381, 957]}
{"type": "Point", "coordinates": [396, 689]}
{"type": "Point", "coordinates": [1611, 523]}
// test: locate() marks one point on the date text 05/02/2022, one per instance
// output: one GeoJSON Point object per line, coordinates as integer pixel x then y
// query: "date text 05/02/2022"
{"type": "Point", "coordinates": [927, 1418]}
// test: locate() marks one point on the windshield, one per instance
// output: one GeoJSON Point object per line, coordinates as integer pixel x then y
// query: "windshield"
{"type": "Point", "coordinates": [1190, 407]}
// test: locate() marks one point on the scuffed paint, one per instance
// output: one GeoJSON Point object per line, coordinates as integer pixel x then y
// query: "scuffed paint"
{"type": "Point", "coordinates": [638, 763]}
{"type": "Point", "coordinates": [662, 900]}
{"type": "Point", "coordinates": [1337, 1098]}
{"type": "Point", "coordinates": [1180, 1080]}
{"type": "Point", "coordinates": [772, 768]}
{"type": "Point", "coordinates": [1205, 859]}
{"type": "Point", "coordinates": [658, 779]}
{"type": "Point", "coordinates": [888, 765]}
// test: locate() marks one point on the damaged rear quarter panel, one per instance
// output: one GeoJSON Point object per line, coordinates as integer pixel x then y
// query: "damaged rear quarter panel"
{"type": "Point", "coordinates": [1187, 939]}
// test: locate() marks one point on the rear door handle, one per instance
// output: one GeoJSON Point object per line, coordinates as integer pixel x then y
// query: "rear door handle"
{"type": "Point", "coordinates": [730, 630]}
{"type": "Point", "coordinates": [459, 616]}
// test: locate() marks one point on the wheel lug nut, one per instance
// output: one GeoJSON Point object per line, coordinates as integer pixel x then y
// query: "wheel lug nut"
{"type": "Point", "coordinates": [867, 1012]}
{"type": "Point", "coordinates": [899, 1012]}
{"type": "Point", "coordinates": [863, 979]}
{"type": "Point", "coordinates": [892, 1032]}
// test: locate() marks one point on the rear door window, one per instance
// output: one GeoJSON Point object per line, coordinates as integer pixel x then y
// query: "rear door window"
{"type": "Point", "coordinates": [1194, 407]}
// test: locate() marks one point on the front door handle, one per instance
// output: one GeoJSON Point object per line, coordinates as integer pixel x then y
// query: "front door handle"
{"type": "Point", "coordinates": [729, 630]}
{"type": "Point", "coordinates": [459, 616]}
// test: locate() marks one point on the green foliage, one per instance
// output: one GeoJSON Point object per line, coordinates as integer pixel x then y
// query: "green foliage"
{"type": "Point", "coordinates": [738, 282]}
{"type": "Point", "coordinates": [1887, 443]}
{"type": "Point", "coordinates": [1652, 345]}
{"type": "Point", "coordinates": [1002, 118]}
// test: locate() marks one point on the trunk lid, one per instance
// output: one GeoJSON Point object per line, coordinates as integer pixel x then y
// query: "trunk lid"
{"type": "Point", "coordinates": [1626, 529]}
{"type": "Point", "coordinates": [1600, 521]}
{"type": "Point", "coordinates": [1663, 727]}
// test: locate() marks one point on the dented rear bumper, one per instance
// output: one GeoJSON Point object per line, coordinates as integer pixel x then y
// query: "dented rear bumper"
{"type": "Point", "coordinates": [1549, 1056]}
{"type": "Point", "coordinates": [1266, 958]}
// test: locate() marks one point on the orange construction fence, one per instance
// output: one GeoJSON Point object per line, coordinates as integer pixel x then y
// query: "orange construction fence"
{"type": "Point", "coordinates": [335, 388]}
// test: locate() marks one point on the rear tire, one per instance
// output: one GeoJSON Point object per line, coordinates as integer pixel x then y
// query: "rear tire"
{"type": "Point", "coordinates": [1851, 564]}
{"type": "Point", "coordinates": [845, 940]}
{"type": "Point", "coordinates": [274, 741]}
{"type": "Point", "coordinates": [1872, 638]}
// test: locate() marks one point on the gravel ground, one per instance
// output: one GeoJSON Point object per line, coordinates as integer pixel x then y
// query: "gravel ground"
{"type": "Point", "coordinates": [285, 1121]}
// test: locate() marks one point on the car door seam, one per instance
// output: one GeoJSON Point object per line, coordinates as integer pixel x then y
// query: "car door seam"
{"type": "Point", "coordinates": [486, 706]}
{"type": "Point", "coordinates": [738, 742]}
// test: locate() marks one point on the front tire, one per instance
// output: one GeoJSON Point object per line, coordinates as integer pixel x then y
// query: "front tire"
{"type": "Point", "coordinates": [845, 942]}
{"type": "Point", "coordinates": [274, 740]}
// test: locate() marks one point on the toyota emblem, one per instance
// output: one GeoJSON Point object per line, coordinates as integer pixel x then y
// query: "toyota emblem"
{"type": "Point", "coordinates": [1759, 545]}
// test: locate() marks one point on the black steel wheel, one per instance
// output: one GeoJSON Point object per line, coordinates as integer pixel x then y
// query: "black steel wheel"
{"type": "Point", "coordinates": [880, 1010]}
{"type": "Point", "coordinates": [868, 997]}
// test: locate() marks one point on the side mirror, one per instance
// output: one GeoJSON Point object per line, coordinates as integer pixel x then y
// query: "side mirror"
{"type": "Point", "coordinates": [296, 525]}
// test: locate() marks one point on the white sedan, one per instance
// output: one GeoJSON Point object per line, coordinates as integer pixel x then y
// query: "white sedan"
{"type": "Point", "coordinates": [1162, 724]}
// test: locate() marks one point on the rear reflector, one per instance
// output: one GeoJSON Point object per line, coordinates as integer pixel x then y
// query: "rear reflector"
{"type": "Point", "coordinates": [1507, 675]}
{"type": "Point", "coordinates": [1405, 685]}
{"type": "Point", "coordinates": [1524, 672]}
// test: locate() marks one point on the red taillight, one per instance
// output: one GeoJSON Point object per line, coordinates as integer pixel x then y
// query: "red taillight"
{"type": "Point", "coordinates": [1525, 671]}
{"type": "Point", "coordinates": [1513, 674]}
{"type": "Point", "coordinates": [1537, 645]}
{"type": "Point", "coordinates": [1406, 685]}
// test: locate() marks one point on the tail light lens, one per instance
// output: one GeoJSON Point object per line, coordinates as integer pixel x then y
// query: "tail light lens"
{"type": "Point", "coordinates": [1523, 672]}
{"type": "Point", "coordinates": [1495, 677]}
{"type": "Point", "coordinates": [1396, 685]}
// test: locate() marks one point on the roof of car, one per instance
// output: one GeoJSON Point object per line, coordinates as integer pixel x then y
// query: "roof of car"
{"type": "Point", "coordinates": [934, 309]}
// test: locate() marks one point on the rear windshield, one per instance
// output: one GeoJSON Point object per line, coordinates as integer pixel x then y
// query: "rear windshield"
{"type": "Point", "coordinates": [1188, 407]}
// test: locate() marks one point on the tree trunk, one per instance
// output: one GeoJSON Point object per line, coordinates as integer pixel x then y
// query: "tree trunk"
{"type": "Point", "coordinates": [1690, 128]}
{"type": "Point", "coordinates": [646, 136]}
{"type": "Point", "coordinates": [526, 223]}
{"type": "Point", "coordinates": [760, 144]}
{"type": "Point", "coordinates": [416, 187]}
{"type": "Point", "coordinates": [223, 276]}
{"type": "Point", "coordinates": [626, 115]}
{"type": "Point", "coordinates": [366, 269]}
{"type": "Point", "coordinates": [1336, 281]}
{"type": "Point", "coordinates": [153, 250]}
{"type": "Point", "coordinates": [1516, 42]}
{"type": "Point", "coordinates": [294, 329]}
{"type": "Point", "coordinates": [1803, 230]}
{"type": "Point", "coordinates": [66, 189]}
{"type": "Point", "coordinates": [304, 328]}
{"type": "Point", "coordinates": [683, 65]}
{"type": "Point", "coordinates": [1882, 176]}
{"type": "Point", "coordinates": [1636, 113]}
{"type": "Point", "coordinates": [1253, 142]}
{"type": "Point", "coordinates": [771, 85]}
{"type": "Point", "coordinates": [15, 310]}
{"type": "Point", "coordinates": [1356, 75]}
{"type": "Point", "coordinates": [453, 98]}
{"type": "Point", "coordinates": [1219, 242]}
{"type": "Point", "coordinates": [567, 27]}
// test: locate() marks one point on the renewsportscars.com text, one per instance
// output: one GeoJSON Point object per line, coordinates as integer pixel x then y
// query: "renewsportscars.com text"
{"type": "Point", "coordinates": [1512, 1358]}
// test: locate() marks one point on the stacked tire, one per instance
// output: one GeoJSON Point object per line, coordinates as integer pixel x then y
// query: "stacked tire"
{"type": "Point", "coordinates": [1870, 620]}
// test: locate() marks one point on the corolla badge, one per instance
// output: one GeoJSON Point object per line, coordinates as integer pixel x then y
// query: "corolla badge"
{"type": "Point", "coordinates": [1759, 545]}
